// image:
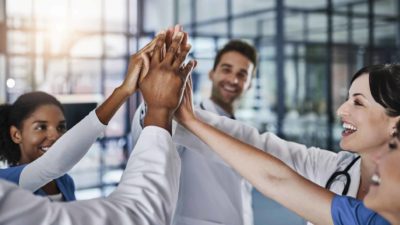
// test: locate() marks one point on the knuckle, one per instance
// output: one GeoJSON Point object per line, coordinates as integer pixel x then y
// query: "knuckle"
{"type": "Point", "coordinates": [171, 48]}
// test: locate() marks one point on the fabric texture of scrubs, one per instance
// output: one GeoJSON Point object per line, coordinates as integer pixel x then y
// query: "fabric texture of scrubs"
{"type": "Point", "coordinates": [64, 183]}
{"type": "Point", "coordinates": [346, 210]}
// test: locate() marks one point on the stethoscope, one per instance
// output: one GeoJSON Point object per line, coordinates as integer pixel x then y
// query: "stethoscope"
{"type": "Point", "coordinates": [344, 173]}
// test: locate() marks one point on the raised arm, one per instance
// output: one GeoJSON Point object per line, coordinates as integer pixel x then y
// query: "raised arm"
{"type": "Point", "coordinates": [308, 162]}
{"type": "Point", "coordinates": [267, 173]}
{"type": "Point", "coordinates": [73, 145]}
{"type": "Point", "coordinates": [147, 193]}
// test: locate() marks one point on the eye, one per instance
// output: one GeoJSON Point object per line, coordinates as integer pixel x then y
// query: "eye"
{"type": "Point", "coordinates": [242, 76]}
{"type": "Point", "coordinates": [226, 70]}
{"type": "Point", "coordinates": [392, 145]}
{"type": "Point", "coordinates": [41, 127]}
{"type": "Point", "coordinates": [358, 103]}
{"type": "Point", "coordinates": [62, 128]}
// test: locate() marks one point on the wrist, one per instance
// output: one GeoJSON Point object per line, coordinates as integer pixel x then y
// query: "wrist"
{"type": "Point", "coordinates": [190, 122]}
{"type": "Point", "coordinates": [124, 90]}
{"type": "Point", "coordinates": [160, 117]}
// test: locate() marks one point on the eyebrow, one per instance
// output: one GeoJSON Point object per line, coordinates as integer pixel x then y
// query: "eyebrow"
{"type": "Point", "coordinates": [358, 94]}
{"type": "Point", "coordinates": [226, 65]}
{"type": "Point", "coordinates": [44, 121]}
{"type": "Point", "coordinates": [229, 65]}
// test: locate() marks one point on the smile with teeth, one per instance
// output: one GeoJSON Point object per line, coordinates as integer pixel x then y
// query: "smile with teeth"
{"type": "Point", "coordinates": [229, 88]}
{"type": "Point", "coordinates": [44, 149]}
{"type": "Point", "coordinates": [348, 128]}
{"type": "Point", "coordinates": [376, 179]}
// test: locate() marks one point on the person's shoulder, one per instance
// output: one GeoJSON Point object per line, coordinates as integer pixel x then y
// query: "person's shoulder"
{"type": "Point", "coordinates": [66, 178]}
{"type": "Point", "coordinates": [12, 173]}
{"type": "Point", "coordinates": [348, 210]}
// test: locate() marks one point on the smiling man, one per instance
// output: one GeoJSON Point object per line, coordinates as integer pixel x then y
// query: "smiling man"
{"type": "Point", "coordinates": [210, 191]}
{"type": "Point", "coordinates": [231, 75]}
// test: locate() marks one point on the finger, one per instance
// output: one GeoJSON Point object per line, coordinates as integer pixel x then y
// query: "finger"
{"type": "Point", "coordinates": [185, 39]}
{"type": "Point", "coordinates": [173, 48]}
{"type": "Point", "coordinates": [157, 55]}
{"type": "Point", "coordinates": [149, 46]}
{"type": "Point", "coordinates": [181, 56]}
{"type": "Point", "coordinates": [188, 92]}
{"type": "Point", "coordinates": [178, 28]}
{"type": "Point", "coordinates": [168, 37]}
{"type": "Point", "coordinates": [187, 70]}
{"type": "Point", "coordinates": [184, 42]}
{"type": "Point", "coordinates": [189, 83]}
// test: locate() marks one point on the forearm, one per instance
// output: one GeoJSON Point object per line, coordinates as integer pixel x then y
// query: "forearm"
{"type": "Point", "coordinates": [268, 174]}
{"type": "Point", "coordinates": [63, 154]}
{"type": "Point", "coordinates": [299, 157]}
{"type": "Point", "coordinates": [150, 182]}
{"type": "Point", "coordinates": [111, 105]}
{"type": "Point", "coordinates": [250, 162]}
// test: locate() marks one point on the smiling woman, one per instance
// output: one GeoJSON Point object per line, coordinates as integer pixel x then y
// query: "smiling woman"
{"type": "Point", "coordinates": [369, 117]}
{"type": "Point", "coordinates": [29, 127]}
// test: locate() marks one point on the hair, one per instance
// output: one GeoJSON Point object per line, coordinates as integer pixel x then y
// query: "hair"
{"type": "Point", "coordinates": [15, 115]}
{"type": "Point", "coordinates": [384, 82]}
{"type": "Point", "coordinates": [237, 46]}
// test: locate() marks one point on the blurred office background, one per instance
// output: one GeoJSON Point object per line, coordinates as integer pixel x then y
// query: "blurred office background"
{"type": "Point", "coordinates": [78, 50]}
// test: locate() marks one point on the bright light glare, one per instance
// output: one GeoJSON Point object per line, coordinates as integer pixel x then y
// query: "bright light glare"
{"type": "Point", "coordinates": [59, 33]}
{"type": "Point", "coordinates": [10, 83]}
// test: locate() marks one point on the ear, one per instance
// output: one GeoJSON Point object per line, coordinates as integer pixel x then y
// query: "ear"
{"type": "Point", "coordinates": [393, 123]}
{"type": "Point", "coordinates": [211, 75]}
{"type": "Point", "coordinates": [251, 83]}
{"type": "Point", "coordinates": [15, 134]}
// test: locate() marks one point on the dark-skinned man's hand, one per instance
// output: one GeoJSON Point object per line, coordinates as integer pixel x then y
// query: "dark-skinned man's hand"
{"type": "Point", "coordinates": [162, 88]}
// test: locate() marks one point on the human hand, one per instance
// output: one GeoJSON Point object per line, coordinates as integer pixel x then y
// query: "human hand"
{"type": "Point", "coordinates": [185, 112]}
{"type": "Point", "coordinates": [138, 67]}
{"type": "Point", "coordinates": [163, 86]}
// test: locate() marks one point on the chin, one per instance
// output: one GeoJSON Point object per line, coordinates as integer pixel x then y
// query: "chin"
{"type": "Point", "coordinates": [343, 146]}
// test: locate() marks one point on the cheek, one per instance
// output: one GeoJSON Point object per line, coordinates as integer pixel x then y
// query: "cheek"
{"type": "Point", "coordinates": [378, 124]}
{"type": "Point", "coordinates": [32, 139]}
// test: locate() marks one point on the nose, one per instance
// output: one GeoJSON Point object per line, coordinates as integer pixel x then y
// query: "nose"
{"type": "Point", "coordinates": [233, 79]}
{"type": "Point", "coordinates": [342, 110]}
{"type": "Point", "coordinates": [53, 134]}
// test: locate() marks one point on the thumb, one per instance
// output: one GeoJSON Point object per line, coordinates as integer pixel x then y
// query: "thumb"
{"type": "Point", "coordinates": [188, 68]}
{"type": "Point", "coordinates": [145, 66]}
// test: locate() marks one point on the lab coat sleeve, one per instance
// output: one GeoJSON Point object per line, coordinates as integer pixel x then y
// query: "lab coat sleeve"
{"type": "Point", "coordinates": [308, 162]}
{"type": "Point", "coordinates": [137, 123]}
{"type": "Point", "coordinates": [147, 193]}
{"type": "Point", "coordinates": [63, 154]}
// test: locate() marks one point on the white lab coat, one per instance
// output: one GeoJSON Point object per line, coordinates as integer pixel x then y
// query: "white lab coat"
{"type": "Point", "coordinates": [210, 191]}
{"type": "Point", "coordinates": [146, 194]}
{"type": "Point", "coordinates": [317, 165]}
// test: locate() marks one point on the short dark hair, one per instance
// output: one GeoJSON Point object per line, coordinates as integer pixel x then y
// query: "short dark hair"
{"type": "Point", "coordinates": [239, 46]}
{"type": "Point", "coordinates": [15, 115]}
{"type": "Point", "coordinates": [384, 82]}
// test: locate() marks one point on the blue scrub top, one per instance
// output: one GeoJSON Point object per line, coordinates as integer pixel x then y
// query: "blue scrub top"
{"type": "Point", "coordinates": [64, 183]}
{"type": "Point", "coordinates": [347, 210]}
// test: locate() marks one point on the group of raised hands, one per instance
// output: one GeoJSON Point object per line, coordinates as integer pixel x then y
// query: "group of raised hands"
{"type": "Point", "coordinates": [159, 71]}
